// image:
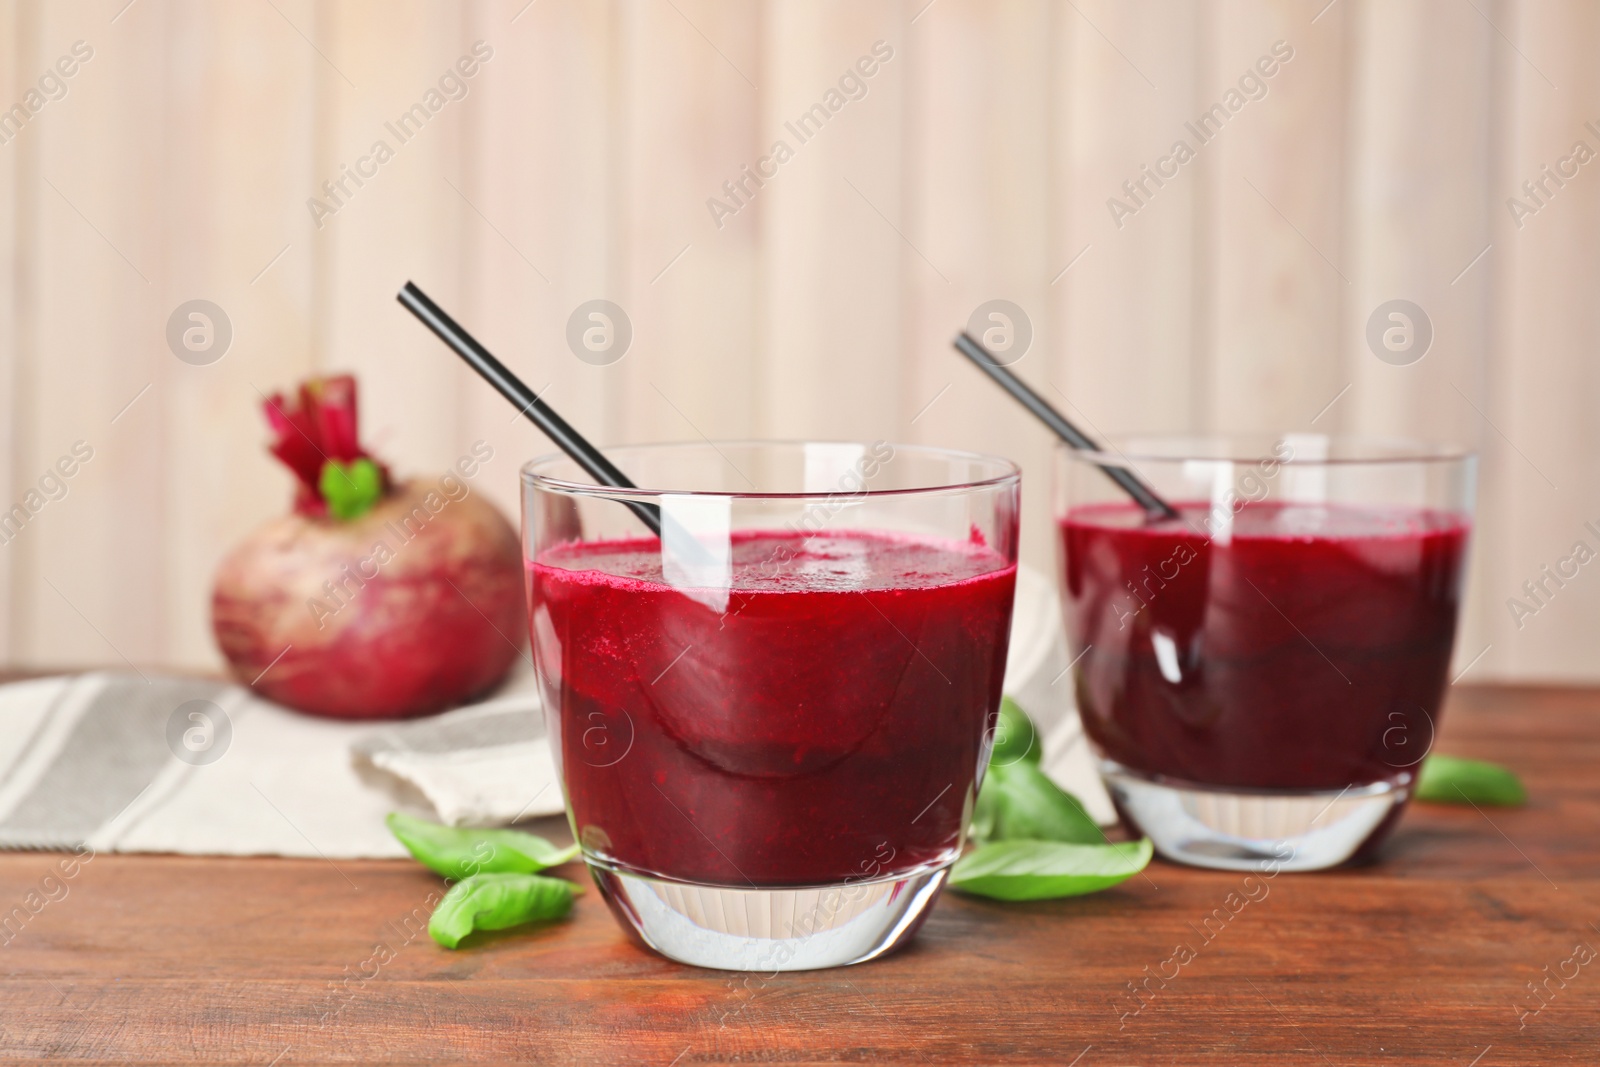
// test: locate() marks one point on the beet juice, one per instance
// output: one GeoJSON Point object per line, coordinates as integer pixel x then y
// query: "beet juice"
{"type": "Point", "coordinates": [821, 720]}
{"type": "Point", "coordinates": [1307, 649]}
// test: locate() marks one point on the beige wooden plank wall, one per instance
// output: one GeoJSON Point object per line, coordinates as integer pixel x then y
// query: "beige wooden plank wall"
{"type": "Point", "coordinates": [976, 165]}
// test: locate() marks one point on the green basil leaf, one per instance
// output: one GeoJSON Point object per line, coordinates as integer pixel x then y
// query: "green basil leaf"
{"type": "Point", "coordinates": [497, 902]}
{"type": "Point", "coordinates": [462, 852]}
{"type": "Point", "coordinates": [1452, 780]}
{"type": "Point", "coordinates": [1020, 802]}
{"type": "Point", "coordinates": [350, 489]}
{"type": "Point", "coordinates": [1015, 739]}
{"type": "Point", "coordinates": [1045, 870]}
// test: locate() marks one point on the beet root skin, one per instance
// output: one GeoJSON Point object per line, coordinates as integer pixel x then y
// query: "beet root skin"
{"type": "Point", "coordinates": [412, 608]}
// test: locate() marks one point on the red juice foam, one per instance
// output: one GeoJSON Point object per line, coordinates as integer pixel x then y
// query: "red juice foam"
{"type": "Point", "coordinates": [827, 725]}
{"type": "Point", "coordinates": [1308, 650]}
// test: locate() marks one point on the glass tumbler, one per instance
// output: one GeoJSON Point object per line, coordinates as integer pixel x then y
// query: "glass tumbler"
{"type": "Point", "coordinates": [1260, 677]}
{"type": "Point", "coordinates": [772, 719]}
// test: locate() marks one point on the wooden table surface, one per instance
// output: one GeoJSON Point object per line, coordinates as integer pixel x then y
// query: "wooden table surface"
{"type": "Point", "coordinates": [1424, 958]}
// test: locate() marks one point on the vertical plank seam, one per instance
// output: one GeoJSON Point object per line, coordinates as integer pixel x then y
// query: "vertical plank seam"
{"type": "Point", "coordinates": [22, 604]}
{"type": "Point", "coordinates": [1202, 255]}
{"type": "Point", "coordinates": [1351, 135]}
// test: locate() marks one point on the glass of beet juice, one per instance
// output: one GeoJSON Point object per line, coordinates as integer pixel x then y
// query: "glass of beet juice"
{"type": "Point", "coordinates": [1260, 677]}
{"type": "Point", "coordinates": [772, 719]}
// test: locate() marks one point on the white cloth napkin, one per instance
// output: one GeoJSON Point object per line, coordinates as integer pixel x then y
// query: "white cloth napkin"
{"type": "Point", "coordinates": [149, 763]}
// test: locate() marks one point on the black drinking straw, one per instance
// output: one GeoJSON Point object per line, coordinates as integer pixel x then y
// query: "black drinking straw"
{"type": "Point", "coordinates": [1154, 507]}
{"type": "Point", "coordinates": [570, 441]}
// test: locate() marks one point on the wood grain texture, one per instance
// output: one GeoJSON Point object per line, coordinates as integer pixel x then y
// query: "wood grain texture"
{"type": "Point", "coordinates": [1423, 958]}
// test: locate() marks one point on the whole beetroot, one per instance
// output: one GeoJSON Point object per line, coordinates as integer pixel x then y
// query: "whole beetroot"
{"type": "Point", "coordinates": [372, 599]}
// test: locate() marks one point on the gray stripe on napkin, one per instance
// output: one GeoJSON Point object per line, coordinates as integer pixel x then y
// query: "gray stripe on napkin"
{"type": "Point", "coordinates": [457, 730]}
{"type": "Point", "coordinates": [111, 755]}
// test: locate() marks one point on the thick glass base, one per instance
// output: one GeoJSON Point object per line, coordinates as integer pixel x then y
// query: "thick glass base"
{"type": "Point", "coordinates": [1243, 830]}
{"type": "Point", "coordinates": [770, 929]}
